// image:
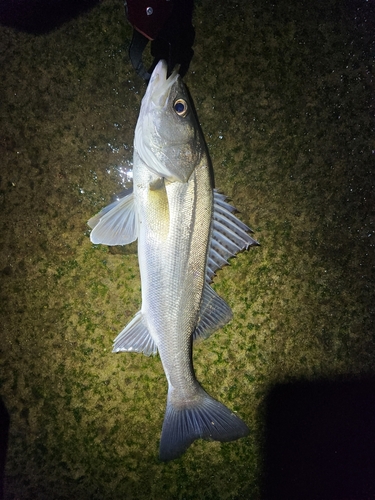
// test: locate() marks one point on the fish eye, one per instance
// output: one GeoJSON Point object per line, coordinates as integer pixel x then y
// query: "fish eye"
{"type": "Point", "coordinates": [181, 107]}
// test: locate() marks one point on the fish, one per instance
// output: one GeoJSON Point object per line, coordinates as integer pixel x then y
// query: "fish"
{"type": "Point", "coordinates": [186, 231]}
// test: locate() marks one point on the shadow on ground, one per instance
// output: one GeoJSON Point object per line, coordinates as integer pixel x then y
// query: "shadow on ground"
{"type": "Point", "coordinates": [320, 441]}
{"type": "Point", "coordinates": [41, 16]}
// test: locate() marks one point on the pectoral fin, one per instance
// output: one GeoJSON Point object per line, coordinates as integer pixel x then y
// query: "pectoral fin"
{"type": "Point", "coordinates": [158, 184]}
{"type": "Point", "coordinates": [116, 224]}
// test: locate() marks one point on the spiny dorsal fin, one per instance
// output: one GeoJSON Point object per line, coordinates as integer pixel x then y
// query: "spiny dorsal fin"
{"type": "Point", "coordinates": [229, 236]}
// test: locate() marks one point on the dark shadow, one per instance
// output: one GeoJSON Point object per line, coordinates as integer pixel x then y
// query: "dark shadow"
{"type": "Point", "coordinates": [41, 16]}
{"type": "Point", "coordinates": [320, 441]}
{"type": "Point", "coordinates": [4, 430]}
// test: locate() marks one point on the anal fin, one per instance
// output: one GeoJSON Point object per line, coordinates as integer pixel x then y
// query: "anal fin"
{"type": "Point", "coordinates": [135, 337]}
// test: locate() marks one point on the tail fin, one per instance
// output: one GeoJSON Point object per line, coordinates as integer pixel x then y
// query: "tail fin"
{"type": "Point", "coordinates": [207, 419]}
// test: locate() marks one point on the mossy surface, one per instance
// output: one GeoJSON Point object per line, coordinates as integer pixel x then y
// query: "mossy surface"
{"type": "Point", "coordinates": [284, 93]}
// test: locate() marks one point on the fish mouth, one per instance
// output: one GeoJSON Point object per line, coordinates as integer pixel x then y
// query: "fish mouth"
{"type": "Point", "coordinates": [159, 86]}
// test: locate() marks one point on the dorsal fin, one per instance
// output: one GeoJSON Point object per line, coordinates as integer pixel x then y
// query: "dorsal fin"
{"type": "Point", "coordinates": [214, 314]}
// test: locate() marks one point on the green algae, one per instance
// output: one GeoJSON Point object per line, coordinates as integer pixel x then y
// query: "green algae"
{"type": "Point", "coordinates": [283, 93]}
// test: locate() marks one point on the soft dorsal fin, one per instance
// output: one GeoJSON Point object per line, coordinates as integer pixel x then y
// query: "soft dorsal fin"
{"type": "Point", "coordinates": [214, 314]}
{"type": "Point", "coordinates": [229, 236]}
{"type": "Point", "coordinates": [116, 224]}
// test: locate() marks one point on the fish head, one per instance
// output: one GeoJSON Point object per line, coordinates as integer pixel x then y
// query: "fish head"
{"type": "Point", "coordinates": [167, 136]}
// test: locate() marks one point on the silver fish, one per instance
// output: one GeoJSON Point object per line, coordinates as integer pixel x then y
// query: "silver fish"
{"type": "Point", "coordinates": [186, 231]}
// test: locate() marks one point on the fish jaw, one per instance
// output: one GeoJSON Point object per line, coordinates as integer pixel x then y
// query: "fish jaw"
{"type": "Point", "coordinates": [168, 141]}
{"type": "Point", "coordinates": [159, 86]}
